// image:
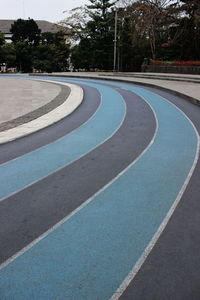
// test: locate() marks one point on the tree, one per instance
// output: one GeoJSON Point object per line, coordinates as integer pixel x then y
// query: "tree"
{"type": "Point", "coordinates": [2, 42]}
{"type": "Point", "coordinates": [52, 54]}
{"type": "Point", "coordinates": [81, 57]}
{"type": "Point", "coordinates": [75, 23]}
{"type": "Point", "coordinates": [2, 39]}
{"type": "Point", "coordinates": [95, 36]}
{"type": "Point", "coordinates": [43, 57]}
{"type": "Point", "coordinates": [23, 57]}
{"type": "Point", "coordinates": [62, 52]}
{"type": "Point", "coordinates": [189, 26]}
{"type": "Point", "coordinates": [8, 55]}
{"type": "Point", "coordinates": [183, 23]}
{"type": "Point", "coordinates": [93, 28]}
{"type": "Point", "coordinates": [26, 36]}
{"type": "Point", "coordinates": [152, 21]}
{"type": "Point", "coordinates": [25, 31]}
{"type": "Point", "coordinates": [48, 38]}
{"type": "Point", "coordinates": [100, 8]}
{"type": "Point", "coordinates": [132, 44]}
{"type": "Point", "coordinates": [100, 30]}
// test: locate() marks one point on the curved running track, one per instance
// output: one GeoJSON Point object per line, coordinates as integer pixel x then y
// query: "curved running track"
{"type": "Point", "coordinates": [84, 201]}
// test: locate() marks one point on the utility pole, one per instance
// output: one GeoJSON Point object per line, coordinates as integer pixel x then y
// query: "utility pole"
{"type": "Point", "coordinates": [115, 42]}
{"type": "Point", "coordinates": [23, 10]}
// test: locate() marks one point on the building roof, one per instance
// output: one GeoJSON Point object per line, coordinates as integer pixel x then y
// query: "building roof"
{"type": "Point", "coordinates": [45, 26]}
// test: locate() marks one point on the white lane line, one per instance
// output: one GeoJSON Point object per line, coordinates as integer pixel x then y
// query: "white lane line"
{"type": "Point", "coordinates": [21, 252]}
{"type": "Point", "coordinates": [74, 99]}
{"type": "Point", "coordinates": [161, 228]}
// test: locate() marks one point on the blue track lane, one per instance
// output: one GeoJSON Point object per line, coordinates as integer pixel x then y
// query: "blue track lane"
{"type": "Point", "coordinates": [23, 171]}
{"type": "Point", "coordinates": [90, 254]}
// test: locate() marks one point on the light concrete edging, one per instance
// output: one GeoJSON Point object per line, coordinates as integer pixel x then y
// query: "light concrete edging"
{"type": "Point", "coordinates": [74, 99]}
{"type": "Point", "coordinates": [160, 84]}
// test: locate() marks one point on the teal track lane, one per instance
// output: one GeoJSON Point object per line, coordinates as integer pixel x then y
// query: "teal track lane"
{"type": "Point", "coordinates": [29, 168]}
{"type": "Point", "coordinates": [91, 252]}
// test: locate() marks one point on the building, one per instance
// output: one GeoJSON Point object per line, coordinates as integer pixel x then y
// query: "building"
{"type": "Point", "coordinates": [44, 26]}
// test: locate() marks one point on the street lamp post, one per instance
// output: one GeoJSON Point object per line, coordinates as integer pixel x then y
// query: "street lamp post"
{"type": "Point", "coordinates": [115, 42]}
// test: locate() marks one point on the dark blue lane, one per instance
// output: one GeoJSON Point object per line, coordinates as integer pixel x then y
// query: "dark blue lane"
{"type": "Point", "coordinates": [89, 255]}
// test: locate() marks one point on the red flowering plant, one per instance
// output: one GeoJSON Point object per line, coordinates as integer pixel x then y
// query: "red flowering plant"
{"type": "Point", "coordinates": [166, 44]}
{"type": "Point", "coordinates": [175, 63]}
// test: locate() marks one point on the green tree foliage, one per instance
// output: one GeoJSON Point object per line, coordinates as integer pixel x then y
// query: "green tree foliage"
{"type": "Point", "coordinates": [2, 39]}
{"type": "Point", "coordinates": [46, 52]}
{"type": "Point", "coordinates": [23, 57]}
{"type": "Point", "coordinates": [43, 58]}
{"type": "Point", "coordinates": [132, 45]}
{"type": "Point", "coordinates": [75, 23]}
{"type": "Point", "coordinates": [157, 29]}
{"type": "Point", "coordinates": [25, 36]}
{"type": "Point", "coordinates": [80, 55]}
{"type": "Point", "coordinates": [134, 38]}
{"type": "Point", "coordinates": [62, 52]}
{"type": "Point", "coordinates": [52, 54]}
{"type": "Point", "coordinates": [25, 31]}
{"type": "Point", "coordinates": [8, 55]}
{"type": "Point", "coordinates": [48, 38]}
{"type": "Point", "coordinates": [96, 38]}
{"type": "Point", "coordinates": [187, 38]}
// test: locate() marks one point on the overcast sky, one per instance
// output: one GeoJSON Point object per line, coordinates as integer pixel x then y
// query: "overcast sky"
{"type": "Point", "coordinates": [49, 10]}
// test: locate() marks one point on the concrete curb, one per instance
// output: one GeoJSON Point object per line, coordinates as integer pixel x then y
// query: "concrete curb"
{"type": "Point", "coordinates": [176, 93]}
{"type": "Point", "coordinates": [159, 77]}
{"type": "Point", "coordinates": [126, 80]}
{"type": "Point", "coordinates": [71, 103]}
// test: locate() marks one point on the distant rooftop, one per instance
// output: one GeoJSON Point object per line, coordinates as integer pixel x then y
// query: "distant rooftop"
{"type": "Point", "coordinates": [44, 26]}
